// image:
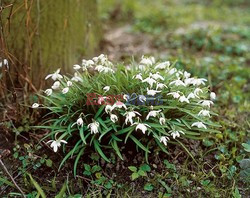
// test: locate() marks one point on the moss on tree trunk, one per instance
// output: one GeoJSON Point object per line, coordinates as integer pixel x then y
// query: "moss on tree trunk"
{"type": "Point", "coordinates": [44, 35]}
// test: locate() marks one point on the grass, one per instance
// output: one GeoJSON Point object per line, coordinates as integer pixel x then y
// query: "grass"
{"type": "Point", "coordinates": [208, 38]}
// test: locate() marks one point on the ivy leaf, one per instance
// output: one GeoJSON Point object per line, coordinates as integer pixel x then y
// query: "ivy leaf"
{"type": "Point", "coordinates": [148, 187]}
{"type": "Point", "coordinates": [135, 176]}
{"type": "Point", "coordinates": [132, 168]}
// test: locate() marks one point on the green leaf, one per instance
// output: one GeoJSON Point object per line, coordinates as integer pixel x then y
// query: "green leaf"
{"type": "Point", "coordinates": [99, 150]}
{"type": "Point", "coordinates": [77, 159]}
{"type": "Point", "coordinates": [145, 167]}
{"type": "Point", "coordinates": [132, 168]}
{"type": "Point", "coordinates": [99, 111]}
{"type": "Point", "coordinates": [134, 176]}
{"type": "Point", "coordinates": [246, 147]}
{"type": "Point", "coordinates": [148, 187]}
{"type": "Point", "coordinates": [62, 191]}
{"type": "Point", "coordinates": [49, 162]}
{"type": "Point", "coordinates": [38, 188]}
{"type": "Point", "coordinates": [115, 146]}
{"type": "Point", "coordinates": [138, 143]}
{"type": "Point", "coordinates": [142, 173]}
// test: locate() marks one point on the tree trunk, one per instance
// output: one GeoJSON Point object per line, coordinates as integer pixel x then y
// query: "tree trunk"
{"type": "Point", "coordinates": [43, 35]}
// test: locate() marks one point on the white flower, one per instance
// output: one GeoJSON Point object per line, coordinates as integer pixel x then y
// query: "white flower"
{"type": "Point", "coordinates": [162, 65]}
{"type": "Point", "coordinates": [199, 81]}
{"type": "Point", "coordinates": [79, 122]}
{"type": "Point", "coordinates": [186, 74]}
{"type": "Point", "coordinates": [35, 105]}
{"type": "Point", "coordinates": [76, 78]}
{"type": "Point", "coordinates": [106, 88]}
{"type": "Point", "coordinates": [138, 76]}
{"type": "Point", "coordinates": [48, 92]}
{"type": "Point", "coordinates": [188, 81]}
{"type": "Point", "coordinates": [65, 90]}
{"type": "Point", "coordinates": [101, 99]}
{"type": "Point", "coordinates": [151, 92]}
{"type": "Point", "coordinates": [55, 75]}
{"type": "Point", "coordinates": [164, 140]}
{"type": "Point", "coordinates": [69, 83]}
{"type": "Point", "coordinates": [108, 108]}
{"type": "Point", "coordinates": [147, 60]}
{"type": "Point", "coordinates": [126, 97]}
{"type": "Point", "coordinates": [212, 96]}
{"type": "Point", "coordinates": [174, 94]}
{"type": "Point", "coordinates": [162, 121]}
{"type": "Point", "coordinates": [56, 144]}
{"type": "Point", "coordinates": [142, 98]}
{"type": "Point", "coordinates": [199, 125]}
{"type": "Point", "coordinates": [99, 68]}
{"type": "Point", "coordinates": [176, 133]}
{"type": "Point", "coordinates": [153, 114]}
{"type": "Point", "coordinates": [204, 113]}
{"type": "Point", "coordinates": [160, 85]}
{"type": "Point", "coordinates": [150, 81]}
{"type": "Point", "coordinates": [156, 76]}
{"type": "Point", "coordinates": [130, 115]}
{"type": "Point", "coordinates": [76, 67]}
{"type": "Point", "coordinates": [183, 99]}
{"type": "Point", "coordinates": [191, 95]}
{"type": "Point", "coordinates": [197, 91]}
{"type": "Point", "coordinates": [94, 127]}
{"type": "Point", "coordinates": [4, 62]}
{"type": "Point", "coordinates": [142, 127]}
{"type": "Point", "coordinates": [177, 83]}
{"type": "Point", "coordinates": [172, 71]}
{"type": "Point", "coordinates": [56, 85]}
{"type": "Point", "coordinates": [113, 118]}
{"type": "Point", "coordinates": [119, 105]}
{"type": "Point", "coordinates": [206, 103]}
{"type": "Point", "coordinates": [103, 69]}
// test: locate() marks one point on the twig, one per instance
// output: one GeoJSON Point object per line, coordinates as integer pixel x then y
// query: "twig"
{"type": "Point", "coordinates": [12, 179]}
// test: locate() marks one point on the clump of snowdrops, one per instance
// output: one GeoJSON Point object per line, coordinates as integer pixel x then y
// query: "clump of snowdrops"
{"type": "Point", "coordinates": [103, 105]}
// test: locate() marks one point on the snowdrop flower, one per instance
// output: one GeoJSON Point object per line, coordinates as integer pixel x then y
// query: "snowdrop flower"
{"type": "Point", "coordinates": [150, 81]}
{"type": "Point", "coordinates": [156, 76]}
{"type": "Point", "coordinates": [56, 85]}
{"type": "Point", "coordinates": [206, 103]}
{"type": "Point", "coordinates": [162, 121]}
{"type": "Point", "coordinates": [199, 125]}
{"type": "Point", "coordinates": [184, 99]}
{"type": "Point", "coordinates": [197, 91]}
{"type": "Point", "coordinates": [176, 133]}
{"type": "Point", "coordinates": [153, 114]}
{"type": "Point", "coordinates": [199, 81]}
{"type": "Point", "coordinates": [177, 83]}
{"type": "Point", "coordinates": [212, 96]}
{"type": "Point", "coordinates": [108, 108]}
{"type": "Point", "coordinates": [56, 144]}
{"type": "Point", "coordinates": [107, 70]}
{"type": "Point", "coordinates": [113, 118]}
{"type": "Point", "coordinates": [191, 95]}
{"type": "Point", "coordinates": [4, 62]}
{"type": "Point", "coordinates": [174, 94]}
{"type": "Point", "coordinates": [89, 63]}
{"type": "Point", "coordinates": [55, 75]}
{"type": "Point", "coordinates": [188, 81]}
{"type": "Point", "coordinates": [130, 115]}
{"type": "Point", "coordinates": [35, 105]}
{"type": "Point", "coordinates": [147, 60]}
{"type": "Point", "coordinates": [172, 71]}
{"type": "Point", "coordinates": [76, 78]}
{"type": "Point", "coordinates": [48, 92]}
{"type": "Point", "coordinates": [186, 74]}
{"type": "Point", "coordinates": [152, 92]}
{"type": "Point", "coordinates": [76, 67]}
{"type": "Point", "coordinates": [142, 127]}
{"type": "Point", "coordinates": [138, 76]}
{"type": "Point", "coordinates": [164, 140]}
{"type": "Point", "coordinates": [204, 113]}
{"type": "Point", "coordinates": [99, 68]}
{"type": "Point", "coordinates": [160, 85]}
{"type": "Point", "coordinates": [79, 122]}
{"type": "Point", "coordinates": [69, 83]}
{"type": "Point", "coordinates": [126, 97]}
{"type": "Point", "coordinates": [101, 99]}
{"type": "Point", "coordinates": [119, 105]}
{"type": "Point", "coordinates": [65, 90]}
{"type": "Point", "coordinates": [94, 127]}
{"type": "Point", "coordinates": [162, 65]}
{"type": "Point", "coordinates": [142, 98]}
{"type": "Point", "coordinates": [106, 88]}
